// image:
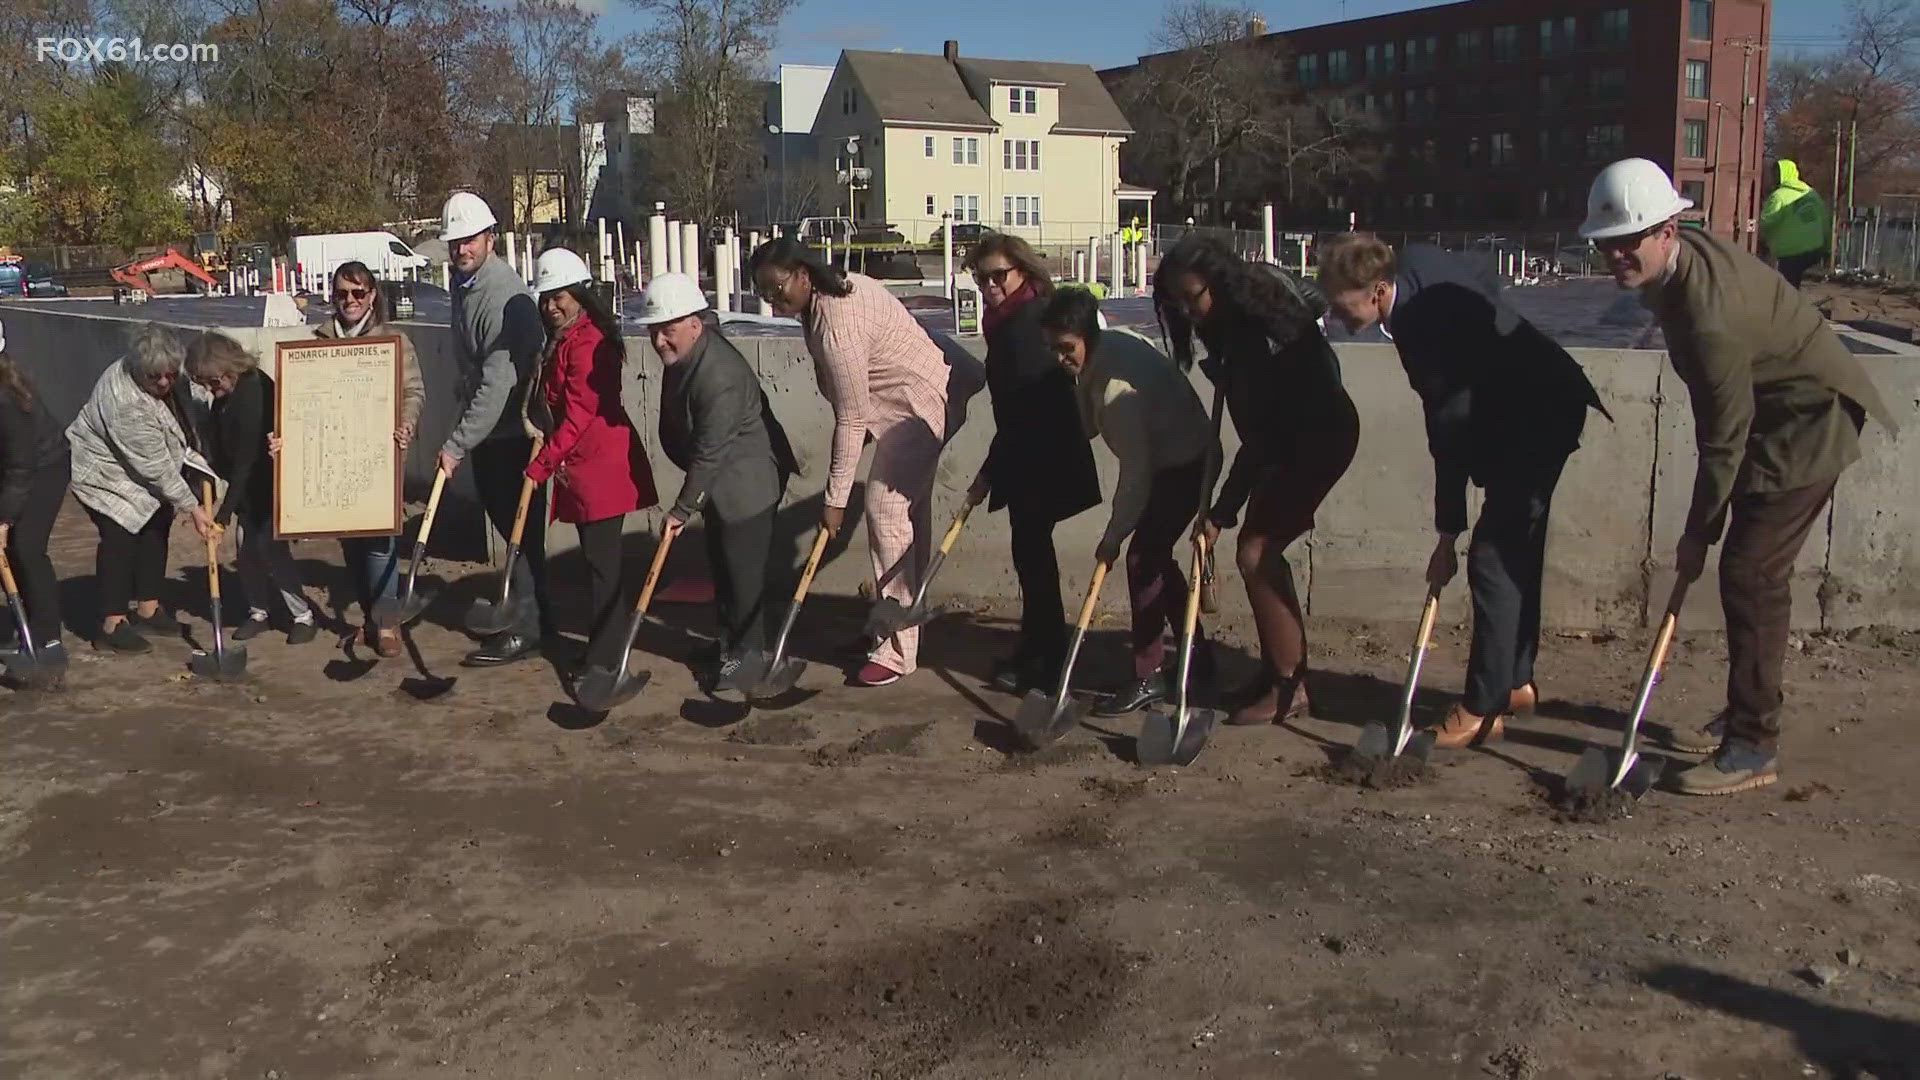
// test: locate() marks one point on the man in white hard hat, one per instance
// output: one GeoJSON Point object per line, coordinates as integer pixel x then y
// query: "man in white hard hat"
{"type": "Point", "coordinates": [717, 425]}
{"type": "Point", "coordinates": [497, 339]}
{"type": "Point", "coordinates": [1778, 403]}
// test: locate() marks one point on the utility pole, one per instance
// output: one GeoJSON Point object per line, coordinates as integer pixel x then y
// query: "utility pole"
{"type": "Point", "coordinates": [1833, 220]}
{"type": "Point", "coordinates": [1747, 46]}
{"type": "Point", "coordinates": [1719, 141]}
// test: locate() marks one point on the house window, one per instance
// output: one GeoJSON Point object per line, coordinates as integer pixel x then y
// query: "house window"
{"type": "Point", "coordinates": [1700, 20]}
{"type": "Point", "coordinates": [1339, 67]}
{"type": "Point", "coordinates": [1019, 211]}
{"type": "Point", "coordinates": [1503, 148]}
{"type": "Point", "coordinates": [1020, 155]}
{"type": "Point", "coordinates": [1506, 44]}
{"type": "Point", "coordinates": [1389, 62]}
{"type": "Point", "coordinates": [1469, 47]}
{"type": "Point", "coordinates": [929, 146]}
{"type": "Point", "coordinates": [1373, 61]}
{"type": "Point", "coordinates": [929, 206]}
{"type": "Point", "coordinates": [1605, 141]}
{"type": "Point", "coordinates": [1608, 86]}
{"type": "Point", "coordinates": [1023, 99]}
{"type": "Point", "coordinates": [1694, 191]}
{"type": "Point", "coordinates": [1421, 53]}
{"type": "Point", "coordinates": [1612, 31]}
{"type": "Point", "coordinates": [849, 101]}
{"type": "Point", "coordinates": [1307, 69]}
{"type": "Point", "coordinates": [966, 208]}
{"type": "Point", "coordinates": [1558, 36]}
{"type": "Point", "coordinates": [1697, 80]}
{"type": "Point", "coordinates": [966, 151]}
{"type": "Point", "coordinates": [1693, 138]}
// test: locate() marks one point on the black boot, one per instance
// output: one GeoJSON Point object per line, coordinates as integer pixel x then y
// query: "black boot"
{"type": "Point", "coordinates": [1132, 698]}
{"type": "Point", "coordinates": [502, 649]}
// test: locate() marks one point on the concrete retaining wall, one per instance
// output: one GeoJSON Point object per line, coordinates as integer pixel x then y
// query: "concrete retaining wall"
{"type": "Point", "coordinates": [1616, 515]}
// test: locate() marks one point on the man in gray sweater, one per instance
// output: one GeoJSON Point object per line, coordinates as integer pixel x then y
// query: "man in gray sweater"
{"type": "Point", "coordinates": [497, 341]}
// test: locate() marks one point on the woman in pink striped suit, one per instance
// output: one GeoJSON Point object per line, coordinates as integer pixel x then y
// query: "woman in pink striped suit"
{"type": "Point", "coordinates": [886, 379]}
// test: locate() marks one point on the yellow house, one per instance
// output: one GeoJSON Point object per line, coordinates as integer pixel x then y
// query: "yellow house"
{"type": "Point", "coordinates": [1017, 146]}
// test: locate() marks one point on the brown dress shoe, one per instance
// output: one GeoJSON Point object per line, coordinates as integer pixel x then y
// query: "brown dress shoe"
{"type": "Point", "coordinates": [1461, 729]}
{"type": "Point", "coordinates": [1523, 700]}
{"type": "Point", "coordinates": [1281, 701]}
{"type": "Point", "coordinates": [385, 641]}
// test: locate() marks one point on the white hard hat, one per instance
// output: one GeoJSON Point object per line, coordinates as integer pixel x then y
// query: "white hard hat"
{"type": "Point", "coordinates": [670, 297]}
{"type": "Point", "coordinates": [558, 268]}
{"type": "Point", "coordinates": [464, 215]}
{"type": "Point", "coordinates": [1630, 196]}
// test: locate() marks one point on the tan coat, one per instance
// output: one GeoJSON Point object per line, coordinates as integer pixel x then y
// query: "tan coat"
{"type": "Point", "coordinates": [1777, 398]}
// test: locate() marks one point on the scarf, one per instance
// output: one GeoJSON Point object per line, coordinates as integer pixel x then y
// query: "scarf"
{"type": "Point", "coordinates": [358, 329]}
{"type": "Point", "coordinates": [1005, 309]}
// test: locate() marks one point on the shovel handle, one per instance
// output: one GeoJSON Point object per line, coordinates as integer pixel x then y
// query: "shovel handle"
{"type": "Point", "coordinates": [1093, 597]}
{"type": "Point", "coordinates": [953, 531]}
{"type": "Point", "coordinates": [813, 564]}
{"type": "Point", "coordinates": [6, 575]}
{"type": "Point", "coordinates": [526, 499]}
{"type": "Point", "coordinates": [653, 574]}
{"type": "Point", "coordinates": [433, 508]}
{"type": "Point", "coordinates": [213, 543]}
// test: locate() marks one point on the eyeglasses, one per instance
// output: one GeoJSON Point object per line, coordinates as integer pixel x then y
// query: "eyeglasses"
{"type": "Point", "coordinates": [1627, 242]}
{"type": "Point", "coordinates": [996, 276]}
{"type": "Point", "coordinates": [773, 290]}
{"type": "Point", "coordinates": [344, 293]}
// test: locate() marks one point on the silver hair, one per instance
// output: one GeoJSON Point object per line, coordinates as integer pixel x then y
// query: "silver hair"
{"type": "Point", "coordinates": [154, 350]}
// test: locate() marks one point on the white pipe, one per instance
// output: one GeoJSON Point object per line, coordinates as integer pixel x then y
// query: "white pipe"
{"type": "Point", "coordinates": [1140, 269]}
{"type": "Point", "coordinates": [656, 263]}
{"type": "Point", "coordinates": [513, 250]}
{"type": "Point", "coordinates": [946, 256]}
{"type": "Point", "coordinates": [638, 262]}
{"type": "Point", "coordinates": [1266, 231]}
{"type": "Point", "coordinates": [619, 240]}
{"type": "Point", "coordinates": [1119, 280]}
{"type": "Point", "coordinates": [690, 250]}
{"type": "Point", "coordinates": [674, 255]}
{"type": "Point", "coordinates": [600, 249]}
{"type": "Point", "coordinates": [1079, 265]}
{"type": "Point", "coordinates": [723, 276]}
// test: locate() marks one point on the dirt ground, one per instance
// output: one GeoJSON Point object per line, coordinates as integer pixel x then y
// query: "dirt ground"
{"type": "Point", "coordinates": [1891, 311]}
{"type": "Point", "coordinates": [319, 874]}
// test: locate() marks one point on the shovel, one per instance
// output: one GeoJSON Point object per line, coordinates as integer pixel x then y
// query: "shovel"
{"type": "Point", "coordinates": [889, 617]}
{"type": "Point", "coordinates": [392, 611]}
{"type": "Point", "coordinates": [223, 664]}
{"type": "Point", "coordinates": [499, 615]}
{"type": "Point", "coordinates": [783, 671]}
{"type": "Point", "coordinates": [1176, 738]}
{"type": "Point", "coordinates": [31, 666]}
{"type": "Point", "coordinates": [1379, 743]}
{"type": "Point", "coordinates": [1041, 720]}
{"type": "Point", "coordinates": [1627, 770]}
{"type": "Point", "coordinates": [602, 690]}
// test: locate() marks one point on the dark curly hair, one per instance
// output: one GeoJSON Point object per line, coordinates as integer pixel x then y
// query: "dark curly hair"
{"type": "Point", "coordinates": [1243, 293]}
{"type": "Point", "coordinates": [790, 255]}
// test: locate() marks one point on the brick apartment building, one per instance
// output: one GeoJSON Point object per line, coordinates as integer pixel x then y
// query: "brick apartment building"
{"type": "Point", "coordinates": [1497, 113]}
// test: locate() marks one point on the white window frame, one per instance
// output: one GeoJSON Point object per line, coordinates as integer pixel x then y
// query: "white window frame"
{"type": "Point", "coordinates": [966, 209]}
{"type": "Point", "coordinates": [1023, 100]}
{"type": "Point", "coordinates": [1020, 211]}
{"type": "Point", "coordinates": [930, 206]}
{"type": "Point", "coordinates": [1706, 79]}
{"type": "Point", "coordinates": [929, 145]}
{"type": "Point", "coordinates": [966, 149]}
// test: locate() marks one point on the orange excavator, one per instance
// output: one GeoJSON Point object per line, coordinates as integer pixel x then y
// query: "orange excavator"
{"type": "Point", "coordinates": [134, 274]}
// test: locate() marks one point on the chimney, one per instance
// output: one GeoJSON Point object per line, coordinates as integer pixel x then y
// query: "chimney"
{"type": "Point", "coordinates": [952, 52]}
{"type": "Point", "coordinates": [1257, 26]}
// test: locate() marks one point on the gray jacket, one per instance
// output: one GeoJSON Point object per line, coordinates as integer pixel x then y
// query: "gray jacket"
{"type": "Point", "coordinates": [716, 424]}
{"type": "Point", "coordinates": [128, 452]}
{"type": "Point", "coordinates": [497, 338]}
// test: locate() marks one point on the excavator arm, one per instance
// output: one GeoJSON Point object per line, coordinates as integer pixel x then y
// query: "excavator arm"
{"type": "Point", "coordinates": [134, 274]}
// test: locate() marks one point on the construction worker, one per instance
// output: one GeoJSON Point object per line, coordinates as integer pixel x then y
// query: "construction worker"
{"type": "Point", "coordinates": [1133, 234]}
{"type": "Point", "coordinates": [497, 342]}
{"type": "Point", "coordinates": [1795, 225]}
{"type": "Point", "coordinates": [1778, 403]}
{"type": "Point", "coordinates": [1504, 405]}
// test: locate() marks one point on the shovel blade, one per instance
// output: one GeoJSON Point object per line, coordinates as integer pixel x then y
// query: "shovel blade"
{"type": "Point", "coordinates": [229, 665]}
{"type": "Point", "coordinates": [489, 617]}
{"type": "Point", "coordinates": [887, 618]}
{"type": "Point", "coordinates": [1642, 775]}
{"type": "Point", "coordinates": [1420, 747]}
{"type": "Point", "coordinates": [1592, 775]}
{"type": "Point", "coordinates": [1042, 720]}
{"type": "Point", "coordinates": [1162, 740]}
{"type": "Point", "coordinates": [395, 612]}
{"type": "Point", "coordinates": [601, 690]}
{"type": "Point", "coordinates": [1375, 742]}
{"type": "Point", "coordinates": [779, 679]}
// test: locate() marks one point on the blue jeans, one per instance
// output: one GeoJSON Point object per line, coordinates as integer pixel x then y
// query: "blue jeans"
{"type": "Point", "coordinates": [375, 562]}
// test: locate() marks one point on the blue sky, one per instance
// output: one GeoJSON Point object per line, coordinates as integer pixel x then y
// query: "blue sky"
{"type": "Point", "coordinates": [1103, 33]}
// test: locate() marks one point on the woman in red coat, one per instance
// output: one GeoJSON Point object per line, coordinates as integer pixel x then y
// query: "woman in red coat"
{"type": "Point", "coordinates": [592, 453]}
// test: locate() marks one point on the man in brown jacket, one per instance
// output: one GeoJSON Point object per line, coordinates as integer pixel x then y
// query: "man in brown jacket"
{"type": "Point", "coordinates": [1778, 403]}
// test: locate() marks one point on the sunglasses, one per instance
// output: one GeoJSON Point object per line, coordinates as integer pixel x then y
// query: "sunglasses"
{"type": "Point", "coordinates": [1625, 243]}
{"type": "Point", "coordinates": [993, 277]}
{"type": "Point", "coordinates": [344, 293]}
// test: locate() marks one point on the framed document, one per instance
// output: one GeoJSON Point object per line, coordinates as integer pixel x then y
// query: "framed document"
{"type": "Point", "coordinates": [339, 471]}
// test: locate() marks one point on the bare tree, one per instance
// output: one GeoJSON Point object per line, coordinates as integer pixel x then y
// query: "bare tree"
{"type": "Point", "coordinates": [709, 58]}
{"type": "Point", "coordinates": [1863, 94]}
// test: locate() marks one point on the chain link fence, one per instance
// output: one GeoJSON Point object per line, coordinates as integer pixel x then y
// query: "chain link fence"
{"type": "Point", "coordinates": [1880, 243]}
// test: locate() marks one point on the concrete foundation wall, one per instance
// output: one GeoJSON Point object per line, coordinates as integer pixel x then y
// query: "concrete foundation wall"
{"type": "Point", "coordinates": [1616, 515]}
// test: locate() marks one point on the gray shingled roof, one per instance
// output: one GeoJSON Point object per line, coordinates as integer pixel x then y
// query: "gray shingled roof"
{"type": "Point", "coordinates": [922, 88]}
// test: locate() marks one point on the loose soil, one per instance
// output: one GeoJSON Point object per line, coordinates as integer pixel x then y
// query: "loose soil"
{"type": "Point", "coordinates": [304, 877]}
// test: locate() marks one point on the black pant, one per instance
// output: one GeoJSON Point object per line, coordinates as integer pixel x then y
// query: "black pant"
{"type": "Point", "coordinates": [739, 552]}
{"type": "Point", "coordinates": [1505, 565]}
{"type": "Point", "coordinates": [1043, 621]}
{"type": "Point", "coordinates": [1794, 267]}
{"type": "Point", "coordinates": [499, 466]}
{"type": "Point", "coordinates": [130, 566]}
{"type": "Point", "coordinates": [27, 550]}
{"type": "Point", "coordinates": [600, 544]}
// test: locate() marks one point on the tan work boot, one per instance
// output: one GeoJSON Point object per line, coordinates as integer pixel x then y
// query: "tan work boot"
{"type": "Point", "coordinates": [1461, 729]}
{"type": "Point", "coordinates": [1523, 700]}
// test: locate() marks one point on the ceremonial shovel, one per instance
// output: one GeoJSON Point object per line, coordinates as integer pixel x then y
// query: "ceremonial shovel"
{"type": "Point", "coordinates": [30, 666]}
{"type": "Point", "coordinates": [783, 671]}
{"type": "Point", "coordinates": [602, 690]}
{"type": "Point", "coordinates": [224, 663]}
{"type": "Point", "coordinates": [1378, 743]}
{"type": "Point", "coordinates": [889, 617]}
{"type": "Point", "coordinates": [392, 611]}
{"type": "Point", "coordinates": [1177, 738]}
{"type": "Point", "coordinates": [1627, 770]}
{"type": "Point", "coordinates": [499, 615]}
{"type": "Point", "coordinates": [1042, 720]}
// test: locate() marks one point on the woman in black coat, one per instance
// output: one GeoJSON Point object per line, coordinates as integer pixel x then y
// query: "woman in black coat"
{"type": "Point", "coordinates": [1040, 467]}
{"type": "Point", "coordinates": [34, 472]}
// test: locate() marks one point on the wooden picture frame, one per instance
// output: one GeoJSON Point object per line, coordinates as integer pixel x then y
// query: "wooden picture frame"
{"type": "Point", "coordinates": [337, 403]}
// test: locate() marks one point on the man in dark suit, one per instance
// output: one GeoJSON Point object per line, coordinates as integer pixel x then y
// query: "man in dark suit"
{"type": "Point", "coordinates": [1504, 407]}
{"type": "Point", "coordinates": [717, 426]}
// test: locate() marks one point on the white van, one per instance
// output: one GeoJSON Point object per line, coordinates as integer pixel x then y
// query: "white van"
{"type": "Point", "coordinates": [316, 257]}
